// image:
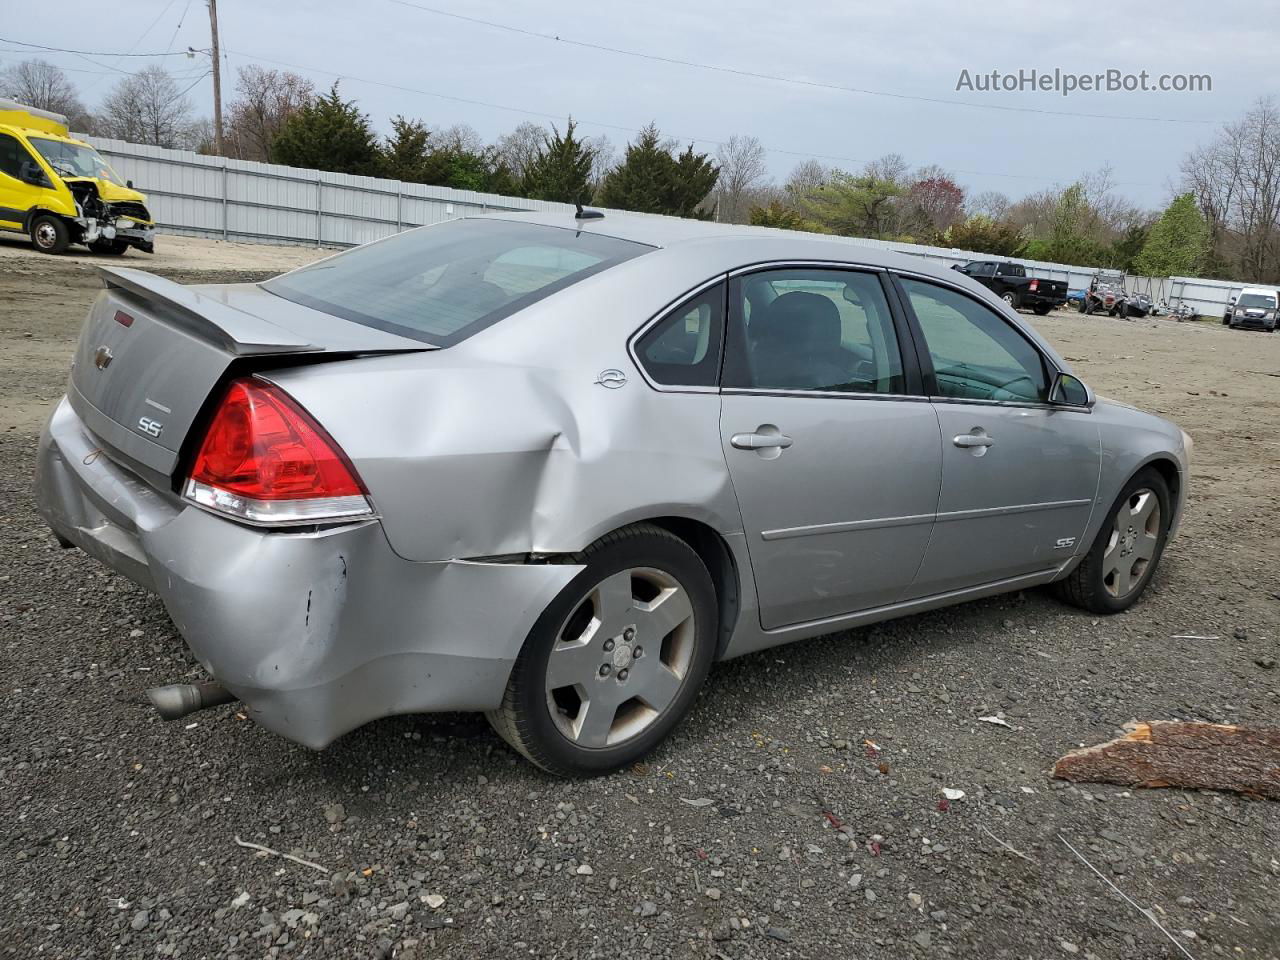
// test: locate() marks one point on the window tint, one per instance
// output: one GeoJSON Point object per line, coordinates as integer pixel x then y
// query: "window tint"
{"type": "Point", "coordinates": [804, 329]}
{"type": "Point", "coordinates": [683, 349]}
{"type": "Point", "coordinates": [981, 269]}
{"type": "Point", "coordinates": [12, 156]}
{"type": "Point", "coordinates": [976, 353]}
{"type": "Point", "coordinates": [443, 283]}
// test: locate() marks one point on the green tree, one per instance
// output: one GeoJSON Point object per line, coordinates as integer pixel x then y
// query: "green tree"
{"type": "Point", "coordinates": [854, 205]}
{"type": "Point", "coordinates": [693, 178]}
{"type": "Point", "coordinates": [1068, 241]}
{"type": "Point", "coordinates": [561, 169]}
{"type": "Point", "coordinates": [776, 215]}
{"type": "Point", "coordinates": [1178, 242]}
{"type": "Point", "coordinates": [1126, 248]}
{"type": "Point", "coordinates": [407, 153]}
{"type": "Point", "coordinates": [651, 180]}
{"type": "Point", "coordinates": [328, 133]}
{"type": "Point", "coordinates": [983, 235]}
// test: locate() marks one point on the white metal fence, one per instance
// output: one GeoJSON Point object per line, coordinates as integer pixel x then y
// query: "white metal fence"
{"type": "Point", "coordinates": [246, 201]}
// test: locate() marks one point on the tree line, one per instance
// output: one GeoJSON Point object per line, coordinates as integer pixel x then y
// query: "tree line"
{"type": "Point", "coordinates": [1223, 219]}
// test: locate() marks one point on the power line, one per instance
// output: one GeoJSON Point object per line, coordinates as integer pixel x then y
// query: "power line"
{"type": "Point", "coordinates": [92, 53]}
{"type": "Point", "coordinates": [776, 78]}
{"type": "Point", "coordinates": [181, 18]}
{"type": "Point", "coordinates": [150, 27]}
{"type": "Point", "coordinates": [613, 126]}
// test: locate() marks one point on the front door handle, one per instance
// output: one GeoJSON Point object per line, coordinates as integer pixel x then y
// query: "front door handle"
{"type": "Point", "coordinates": [760, 441]}
{"type": "Point", "coordinates": [972, 440]}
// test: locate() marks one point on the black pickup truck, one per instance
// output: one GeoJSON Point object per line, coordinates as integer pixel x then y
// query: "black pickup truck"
{"type": "Point", "coordinates": [1010, 282]}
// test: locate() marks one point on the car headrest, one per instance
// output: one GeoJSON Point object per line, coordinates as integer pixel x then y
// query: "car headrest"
{"type": "Point", "coordinates": [800, 318]}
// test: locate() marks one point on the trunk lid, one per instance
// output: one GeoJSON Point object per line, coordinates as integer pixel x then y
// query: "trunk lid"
{"type": "Point", "coordinates": [152, 351]}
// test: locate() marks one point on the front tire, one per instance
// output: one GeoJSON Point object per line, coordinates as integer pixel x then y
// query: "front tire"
{"type": "Point", "coordinates": [616, 660]}
{"type": "Point", "coordinates": [49, 234]}
{"type": "Point", "coordinates": [1123, 558]}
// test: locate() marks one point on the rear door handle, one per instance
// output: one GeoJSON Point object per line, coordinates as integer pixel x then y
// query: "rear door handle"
{"type": "Point", "coordinates": [972, 440]}
{"type": "Point", "coordinates": [760, 441]}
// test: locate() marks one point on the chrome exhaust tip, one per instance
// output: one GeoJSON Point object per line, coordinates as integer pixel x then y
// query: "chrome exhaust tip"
{"type": "Point", "coordinates": [177, 700]}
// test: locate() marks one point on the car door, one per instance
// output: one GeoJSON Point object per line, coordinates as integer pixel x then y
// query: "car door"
{"type": "Point", "coordinates": [14, 193]}
{"type": "Point", "coordinates": [834, 455]}
{"type": "Point", "coordinates": [1019, 475]}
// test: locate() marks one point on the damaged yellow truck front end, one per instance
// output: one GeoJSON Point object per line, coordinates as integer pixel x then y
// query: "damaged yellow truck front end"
{"type": "Point", "coordinates": [59, 190]}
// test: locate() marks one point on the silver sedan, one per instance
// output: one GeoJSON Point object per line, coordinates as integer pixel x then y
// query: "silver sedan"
{"type": "Point", "coordinates": [553, 467]}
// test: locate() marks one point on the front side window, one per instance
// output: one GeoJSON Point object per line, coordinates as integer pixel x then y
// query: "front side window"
{"type": "Point", "coordinates": [12, 156]}
{"type": "Point", "coordinates": [812, 329]}
{"type": "Point", "coordinates": [441, 284]}
{"type": "Point", "coordinates": [683, 348]}
{"type": "Point", "coordinates": [981, 269]}
{"type": "Point", "coordinates": [74, 159]}
{"type": "Point", "coordinates": [976, 353]}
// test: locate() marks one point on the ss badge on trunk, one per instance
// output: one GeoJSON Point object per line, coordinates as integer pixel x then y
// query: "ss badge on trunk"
{"type": "Point", "coordinates": [150, 427]}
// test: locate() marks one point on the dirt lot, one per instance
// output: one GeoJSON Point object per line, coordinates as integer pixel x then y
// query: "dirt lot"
{"type": "Point", "coordinates": [762, 829]}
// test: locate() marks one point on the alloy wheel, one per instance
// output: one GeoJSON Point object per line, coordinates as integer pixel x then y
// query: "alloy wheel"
{"type": "Point", "coordinates": [1132, 546]}
{"type": "Point", "coordinates": [620, 658]}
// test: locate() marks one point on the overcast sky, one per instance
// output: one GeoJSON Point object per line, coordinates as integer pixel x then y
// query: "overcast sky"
{"type": "Point", "coordinates": [909, 47]}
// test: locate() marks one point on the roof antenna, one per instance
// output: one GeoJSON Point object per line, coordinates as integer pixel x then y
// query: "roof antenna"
{"type": "Point", "coordinates": [586, 214]}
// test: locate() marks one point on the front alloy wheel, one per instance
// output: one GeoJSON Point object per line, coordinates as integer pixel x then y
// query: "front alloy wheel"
{"type": "Point", "coordinates": [1124, 555]}
{"type": "Point", "coordinates": [616, 660]}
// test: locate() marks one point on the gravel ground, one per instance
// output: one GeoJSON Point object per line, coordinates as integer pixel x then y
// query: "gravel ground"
{"type": "Point", "coordinates": [766, 827]}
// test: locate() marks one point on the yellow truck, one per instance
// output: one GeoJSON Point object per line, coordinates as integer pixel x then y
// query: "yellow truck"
{"type": "Point", "coordinates": [58, 190]}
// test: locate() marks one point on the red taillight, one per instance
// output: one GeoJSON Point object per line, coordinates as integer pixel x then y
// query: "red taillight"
{"type": "Point", "coordinates": [266, 460]}
{"type": "Point", "coordinates": [1033, 285]}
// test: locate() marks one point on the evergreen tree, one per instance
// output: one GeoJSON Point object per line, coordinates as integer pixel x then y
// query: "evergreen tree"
{"type": "Point", "coordinates": [328, 133]}
{"type": "Point", "coordinates": [693, 178]}
{"type": "Point", "coordinates": [407, 154]}
{"type": "Point", "coordinates": [1177, 243]}
{"type": "Point", "coordinates": [561, 170]}
{"type": "Point", "coordinates": [984, 235]}
{"type": "Point", "coordinates": [854, 205]}
{"type": "Point", "coordinates": [642, 181]}
{"type": "Point", "coordinates": [776, 215]}
{"type": "Point", "coordinates": [651, 180]}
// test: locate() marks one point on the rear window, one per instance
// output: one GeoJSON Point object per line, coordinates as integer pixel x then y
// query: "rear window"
{"type": "Point", "coordinates": [442, 284]}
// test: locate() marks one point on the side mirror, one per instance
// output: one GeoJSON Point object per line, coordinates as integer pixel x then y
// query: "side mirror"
{"type": "Point", "coordinates": [1070, 391]}
{"type": "Point", "coordinates": [129, 184]}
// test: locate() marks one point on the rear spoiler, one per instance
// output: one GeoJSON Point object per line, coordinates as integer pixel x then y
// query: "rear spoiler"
{"type": "Point", "coordinates": [239, 333]}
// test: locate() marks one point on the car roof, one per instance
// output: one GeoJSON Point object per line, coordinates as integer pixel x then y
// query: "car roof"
{"type": "Point", "coordinates": [772, 243]}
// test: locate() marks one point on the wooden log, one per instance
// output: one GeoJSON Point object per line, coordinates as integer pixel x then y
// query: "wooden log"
{"type": "Point", "coordinates": [1204, 756]}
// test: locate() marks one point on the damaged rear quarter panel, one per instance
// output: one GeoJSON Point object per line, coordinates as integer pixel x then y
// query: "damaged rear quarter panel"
{"type": "Point", "coordinates": [505, 443]}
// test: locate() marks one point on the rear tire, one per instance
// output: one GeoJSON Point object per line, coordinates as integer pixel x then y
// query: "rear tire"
{"type": "Point", "coordinates": [1042, 309]}
{"type": "Point", "coordinates": [1124, 556]}
{"type": "Point", "coordinates": [49, 234]}
{"type": "Point", "coordinates": [632, 637]}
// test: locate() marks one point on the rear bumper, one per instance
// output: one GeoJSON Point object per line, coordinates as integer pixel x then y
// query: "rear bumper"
{"type": "Point", "coordinates": [317, 632]}
{"type": "Point", "coordinates": [1043, 299]}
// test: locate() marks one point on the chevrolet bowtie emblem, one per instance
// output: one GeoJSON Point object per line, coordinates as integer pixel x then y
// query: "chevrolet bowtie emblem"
{"type": "Point", "coordinates": [102, 359]}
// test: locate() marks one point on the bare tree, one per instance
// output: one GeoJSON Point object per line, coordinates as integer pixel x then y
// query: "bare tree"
{"type": "Point", "coordinates": [892, 167]}
{"type": "Point", "coordinates": [806, 179]}
{"type": "Point", "coordinates": [265, 99]}
{"type": "Point", "coordinates": [459, 138]}
{"type": "Point", "coordinates": [742, 167]}
{"type": "Point", "coordinates": [990, 203]}
{"type": "Point", "coordinates": [40, 84]}
{"type": "Point", "coordinates": [603, 159]}
{"type": "Point", "coordinates": [147, 107]}
{"type": "Point", "coordinates": [518, 149]}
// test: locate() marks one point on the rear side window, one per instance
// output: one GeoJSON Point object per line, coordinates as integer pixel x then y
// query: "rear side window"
{"type": "Point", "coordinates": [442, 284]}
{"type": "Point", "coordinates": [683, 348]}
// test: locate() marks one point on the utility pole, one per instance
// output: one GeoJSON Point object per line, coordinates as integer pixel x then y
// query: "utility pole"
{"type": "Point", "coordinates": [217, 79]}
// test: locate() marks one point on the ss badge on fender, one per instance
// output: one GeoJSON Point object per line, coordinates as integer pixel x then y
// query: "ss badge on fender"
{"type": "Point", "coordinates": [150, 427]}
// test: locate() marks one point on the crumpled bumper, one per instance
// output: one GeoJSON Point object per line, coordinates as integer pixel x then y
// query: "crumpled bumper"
{"type": "Point", "coordinates": [317, 632]}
